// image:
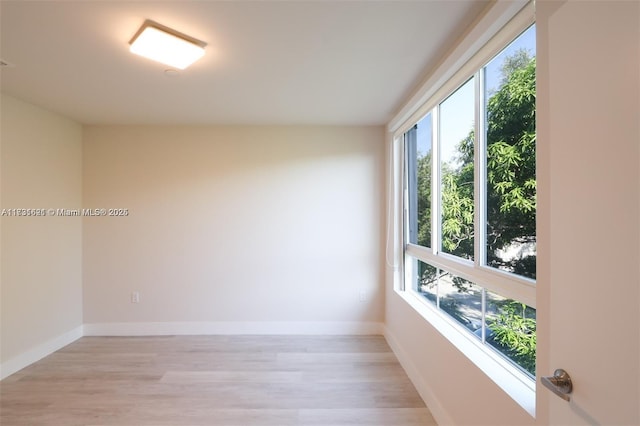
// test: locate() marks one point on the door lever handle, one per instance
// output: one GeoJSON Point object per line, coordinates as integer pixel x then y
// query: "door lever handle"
{"type": "Point", "coordinates": [560, 383]}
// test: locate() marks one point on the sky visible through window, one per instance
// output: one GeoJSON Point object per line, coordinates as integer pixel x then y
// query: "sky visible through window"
{"type": "Point", "coordinates": [526, 41]}
{"type": "Point", "coordinates": [457, 114]}
{"type": "Point", "coordinates": [455, 127]}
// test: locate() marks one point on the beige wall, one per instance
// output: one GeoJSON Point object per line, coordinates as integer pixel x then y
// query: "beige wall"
{"type": "Point", "coordinates": [41, 289]}
{"type": "Point", "coordinates": [233, 224]}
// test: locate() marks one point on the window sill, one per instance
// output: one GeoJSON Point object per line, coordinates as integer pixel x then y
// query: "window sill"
{"type": "Point", "coordinates": [520, 387]}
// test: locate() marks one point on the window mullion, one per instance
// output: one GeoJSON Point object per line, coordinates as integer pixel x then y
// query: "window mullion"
{"type": "Point", "coordinates": [403, 209]}
{"type": "Point", "coordinates": [484, 315]}
{"type": "Point", "coordinates": [437, 288]}
{"type": "Point", "coordinates": [496, 281]}
{"type": "Point", "coordinates": [411, 155]}
{"type": "Point", "coordinates": [436, 222]}
{"type": "Point", "coordinates": [479, 171]}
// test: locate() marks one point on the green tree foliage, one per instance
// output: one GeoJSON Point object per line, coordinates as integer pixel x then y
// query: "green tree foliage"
{"type": "Point", "coordinates": [511, 167]}
{"type": "Point", "coordinates": [424, 200]}
{"type": "Point", "coordinates": [517, 60]}
{"type": "Point", "coordinates": [511, 200]}
{"type": "Point", "coordinates": [514, 334]}
{"type": "Point", "coordinates": [457, 205]}
{"type": "Point", "coordinates": [511, 181]}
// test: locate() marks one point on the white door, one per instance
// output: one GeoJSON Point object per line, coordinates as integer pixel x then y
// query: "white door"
{"type": "Point", "coordinates": [589, 86]}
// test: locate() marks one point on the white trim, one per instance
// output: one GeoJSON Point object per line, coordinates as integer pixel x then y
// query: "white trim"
{"type": "Point", "coordinates": [38, 352]}
{"type": "Point", "coordinates": [508, 285]}
{"type": "Point", "coordinates": [397, 173]}
{"type": "Point", "coordinates": [479, 165]}
{"type": "Point", "coordinates": [232, 327]}
{"type": "Point", "coordinates": [426, 393]}
{"type": "Point", "coordinates": [436, 225]}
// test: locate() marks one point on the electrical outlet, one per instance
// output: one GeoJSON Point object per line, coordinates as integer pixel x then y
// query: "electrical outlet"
{"type": "Point", "coordinates": [135, 297]}
{"type": "Point", "coordinates": [363, 295]}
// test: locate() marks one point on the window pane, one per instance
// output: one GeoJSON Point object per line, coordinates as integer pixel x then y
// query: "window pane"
{"type": "Point", "coordinates": [462, 300]}
{"type": "Point", "coordinates": [424, 138]}
{"type": "Point", "coordinates": [427, 281]}
{"type": "Point", "coordinates": [456, 168]}
{"type": "Point", "coordinates": [411, 155]}
{"type": "Point", "coordinates": [418, 142]}
{"type": "Point", "coordinates": [511, 329]}
{"type": "Point", "coordinates": [510, 105]}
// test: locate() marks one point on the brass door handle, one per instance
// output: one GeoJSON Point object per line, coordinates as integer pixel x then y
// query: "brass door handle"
{"type": "Point", "coordinates": [560, 383]}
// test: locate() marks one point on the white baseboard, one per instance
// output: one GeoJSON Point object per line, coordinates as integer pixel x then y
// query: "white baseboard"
{"type": "Point", "coordinates": [428, 396]}
{"type": "Point", "coordinates": [230, 328]}
{"type": "Point", "coordinates": [27, 358]}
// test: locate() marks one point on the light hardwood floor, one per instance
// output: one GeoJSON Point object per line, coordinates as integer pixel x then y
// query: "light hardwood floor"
{"type": "Point", "coordinates": [215, 381]}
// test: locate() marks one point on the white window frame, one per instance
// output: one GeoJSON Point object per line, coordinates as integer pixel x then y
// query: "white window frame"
{"type": "Point", "coordinates": [492, 33]}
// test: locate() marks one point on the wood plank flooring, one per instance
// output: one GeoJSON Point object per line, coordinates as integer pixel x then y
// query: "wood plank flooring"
{"type": "Point", "coordinates": [215, 381]}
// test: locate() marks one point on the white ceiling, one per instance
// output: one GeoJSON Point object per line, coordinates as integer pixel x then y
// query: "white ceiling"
{"type": "Point", "coordinates": [267, 62]}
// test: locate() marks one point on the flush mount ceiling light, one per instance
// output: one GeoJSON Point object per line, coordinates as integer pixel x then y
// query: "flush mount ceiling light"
{"type": "Point", "coordinates": [165, 45]}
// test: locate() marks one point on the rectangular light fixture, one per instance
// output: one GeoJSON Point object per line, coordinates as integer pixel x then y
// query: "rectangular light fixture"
{"type": "Point", "coordinates": [165, 45]}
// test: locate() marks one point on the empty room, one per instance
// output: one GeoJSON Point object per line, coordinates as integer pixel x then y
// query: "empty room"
{"type": "Point", "coordinates": [319, 213]}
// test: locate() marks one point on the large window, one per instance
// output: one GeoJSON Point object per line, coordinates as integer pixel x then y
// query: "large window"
{"type": "Point", "coordinates": [470, 204]}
